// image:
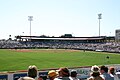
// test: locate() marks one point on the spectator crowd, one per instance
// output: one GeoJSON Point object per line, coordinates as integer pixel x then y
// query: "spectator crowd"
{"type": "Point", "coordinates": [107, 47]}
{"type": "Point", "coordinates": [63, 73]}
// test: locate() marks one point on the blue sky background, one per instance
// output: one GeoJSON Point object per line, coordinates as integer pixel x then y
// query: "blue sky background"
{"type": "Point", "coordinates": [58, 17]}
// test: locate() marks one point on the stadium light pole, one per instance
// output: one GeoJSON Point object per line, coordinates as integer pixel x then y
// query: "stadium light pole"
{"type": "Point", "coordinates": [99, 17]}
{"type": "Point", "coordinates": [30, 18]}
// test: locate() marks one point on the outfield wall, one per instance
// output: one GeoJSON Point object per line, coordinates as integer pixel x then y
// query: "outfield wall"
{"type": "Point", "coordinates": [83, 73]}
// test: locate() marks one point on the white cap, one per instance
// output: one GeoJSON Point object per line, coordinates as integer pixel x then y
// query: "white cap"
{"type": "Point", "coordinates": [95, 68]}
{"type": "Point", "coordinates": [117, 73]}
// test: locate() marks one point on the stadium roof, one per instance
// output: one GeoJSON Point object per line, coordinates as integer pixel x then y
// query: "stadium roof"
{"type": "Point", "coordinates": [59, 38]}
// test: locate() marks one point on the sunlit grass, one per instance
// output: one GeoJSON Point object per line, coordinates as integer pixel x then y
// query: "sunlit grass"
{"type": "Point", "coordinates": [11, 60]}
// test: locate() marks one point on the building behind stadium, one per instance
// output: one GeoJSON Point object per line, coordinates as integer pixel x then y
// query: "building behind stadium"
{"type": "Point", "coordinates": [117, 35]}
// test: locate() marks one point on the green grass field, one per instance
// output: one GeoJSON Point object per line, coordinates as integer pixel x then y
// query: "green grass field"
{"type": "Point", "coordinates": [12, 60]}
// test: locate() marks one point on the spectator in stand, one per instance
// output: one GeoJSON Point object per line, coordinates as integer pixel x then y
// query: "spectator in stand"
{"type": "Point", "coordinates": [32, 72]}
{"type": "Point", "coordinates": [95, 73]}
{"type": "Point", "coordinates": [104, 73]}
{"type": "Point", "coordinates": [118, 74]}
{"type": "Point", "coordinates": [52, 74]}
{"type": "Point", "coordinates": [73, 75]}
{"type": "Point", "coordinates": [26, 78]}
{"type": "Point", "coordinates": [112, 71]}
{"type": "Point", "coordinates": [63, 74]}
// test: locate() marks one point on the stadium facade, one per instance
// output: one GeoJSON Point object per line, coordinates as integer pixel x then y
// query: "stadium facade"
{"type": "Point", "coordinates": [117, 35]}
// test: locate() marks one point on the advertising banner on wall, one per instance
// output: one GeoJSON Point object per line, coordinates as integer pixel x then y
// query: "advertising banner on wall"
{"type": "Point", "coordinates": [4, 77]}
{"type": "Point", "coordinates": [18, 75]}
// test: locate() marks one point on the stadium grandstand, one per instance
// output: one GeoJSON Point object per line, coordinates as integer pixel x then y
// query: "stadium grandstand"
{"type": "Point", "coordinates": [66, 41]}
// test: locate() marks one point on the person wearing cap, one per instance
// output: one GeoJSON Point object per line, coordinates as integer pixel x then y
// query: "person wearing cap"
{"type": "Point", "coordinates": [118, 74]}
{"type": "Point", "coordinates": [105, 74]}
{"type": "Point", "coordinates": [63, 74]}
{"type": "Point", "coordinates": [95, 74]}
{"type": "Point", "coordinates": [52, 74]}
{"type": "Point", "coordinates": [73, 75]}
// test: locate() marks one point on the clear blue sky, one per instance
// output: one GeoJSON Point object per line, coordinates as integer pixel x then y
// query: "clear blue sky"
{"type": "Point", "coordinates": [58, 17]}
